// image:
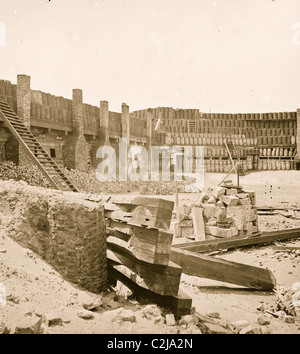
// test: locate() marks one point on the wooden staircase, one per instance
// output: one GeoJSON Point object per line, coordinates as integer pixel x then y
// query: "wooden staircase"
{"type": "Point", "coordinates": [35, 151]}
{"type": "Point", "coordinates": [233, 153]}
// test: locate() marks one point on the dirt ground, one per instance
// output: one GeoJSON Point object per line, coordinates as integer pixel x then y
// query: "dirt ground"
{"type": "Point", "coordinates": [35, 290]}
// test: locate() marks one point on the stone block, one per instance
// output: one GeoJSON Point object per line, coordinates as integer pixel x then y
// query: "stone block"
{"type": "Point", "coordinates": [170, 320]}
{"type": "Point", "coordinates": [187, 231]}
{"type": "Point", "coordinates": [210, 210]}
{"type": "Point", "coordinates": [230, 200]}
{"type": "Point", "coordinates": [242, 195]}
{"type": "Point", "coordinates": [251, 215]}
{"type": "Point", "coordinates": [254, 228]}
{"type": "Point", "coordinates": [177, 230]}
{"type": "Point", "coordinates": [248, 227]}
{"type": "Point", "coordinates": [211, 200]}
{"type": "Point", "coordinates": [212, 222]}
{"type": "Point", "coordinates": [245, 201]}
{"type": "Point", "coordinates": [198, 223]}
{"type": "Point", "coordinates": [213, 328]}
{"type": "Point", "coordinates": [182, 212]}
{"type": "Point", "coordinates": [238, 214]}
{"type": "Point", "coordinates": [28, 325]}
{"type": "Point", "coordinates": [231, 191]}
{"type": "Point", "coordinates": [220, 232]}
{"type": "Point", "coordinates": [218, 192]}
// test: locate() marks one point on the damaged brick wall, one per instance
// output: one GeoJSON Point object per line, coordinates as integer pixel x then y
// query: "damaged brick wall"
{"type": "Point", "coordinates": [68, 232]}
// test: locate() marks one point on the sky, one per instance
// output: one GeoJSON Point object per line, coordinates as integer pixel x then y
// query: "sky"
{"type": "Point", "coordinates": [223, 56]}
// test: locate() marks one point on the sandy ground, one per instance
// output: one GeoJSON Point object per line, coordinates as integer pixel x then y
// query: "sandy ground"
{"type": "Point", "coordinates": [35, 289]}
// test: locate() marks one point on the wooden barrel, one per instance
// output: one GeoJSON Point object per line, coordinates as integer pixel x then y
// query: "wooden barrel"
{"type": "Point", "coordinates": [287, 164]}
{"type": "Point", "coordinates": [37, 111]}
{"type": "Point", "coordinates": [47, 113]}
{"type": "Point", "coordinates": [222, 166]}
{"type": "Point", "coordinates": [269, 163]}
{"type": "Point", "coordinates": [217, 167]}
{"type": "Point", "coordinates": [264, 165]}
{"type": "Point", "coordinates": [269, 152]}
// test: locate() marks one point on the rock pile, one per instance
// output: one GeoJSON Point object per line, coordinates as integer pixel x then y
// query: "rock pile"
{"type": "Point", "coordinates": [225, 211]}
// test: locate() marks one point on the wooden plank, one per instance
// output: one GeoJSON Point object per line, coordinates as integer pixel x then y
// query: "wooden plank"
{"type": "Point", "coordinates": [179, 304]}
{"type": "Point", "coordinates": [222, 270]}
{"type": "Point", "coordinates": [286, 248]}
{"type": "Point", "coordinates": [148, 244]}
{"type": "Point", "coordinates": [274, 208]}
{"type": "Point", "coordinates": [169, 289]}
{"type": "Point", "coordinates": [214, 245]}
{"type": "Point", "coordinates": [198, 222]}
{"type": "Point", "coordinates": [117, 215]}
{"type": "Point", "coordinates": [128, 258]}
{"type": "Point", "coordinates": [163, 283]}
{"type": "Point", "coordinates": [153, 202]}
{"type": "Point", "coordinates": [118, 232]}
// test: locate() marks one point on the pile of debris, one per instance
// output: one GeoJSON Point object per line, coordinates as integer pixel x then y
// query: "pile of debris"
{"type": "Point", "coordinates": [286, 305]}
{"type": "Point", "coordinates": [224, 211]}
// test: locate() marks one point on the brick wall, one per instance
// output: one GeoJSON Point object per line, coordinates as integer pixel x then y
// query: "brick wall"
{"type": "Point", "coordinates": [68, 232]}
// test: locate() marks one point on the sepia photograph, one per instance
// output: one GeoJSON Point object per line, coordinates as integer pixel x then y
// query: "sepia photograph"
{"type": "Point", "coordinates": [149, 169]}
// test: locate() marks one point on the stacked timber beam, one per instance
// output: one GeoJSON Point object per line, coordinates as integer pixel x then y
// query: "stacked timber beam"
{"type": "Point", "coordinates": [145, 260]}
{"type": "Point", "coordinates": [139, 250]}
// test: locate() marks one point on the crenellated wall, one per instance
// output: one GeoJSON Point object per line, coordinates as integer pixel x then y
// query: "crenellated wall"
{"type": "Point", "coordinates": [264, 140]}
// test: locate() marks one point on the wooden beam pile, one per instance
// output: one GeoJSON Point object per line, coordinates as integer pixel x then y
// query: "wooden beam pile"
{"type": "Point", "coordinates": [144, 259]}
{"type": "Point", "coordinates": [139, 252]}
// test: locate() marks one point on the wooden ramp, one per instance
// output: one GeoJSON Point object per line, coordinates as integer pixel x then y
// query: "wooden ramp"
{"type": "Point", "coordinates": [36, 152]}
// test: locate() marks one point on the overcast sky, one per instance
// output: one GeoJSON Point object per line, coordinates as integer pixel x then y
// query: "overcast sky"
{"type": "Point", "coordinates": [218, 55]}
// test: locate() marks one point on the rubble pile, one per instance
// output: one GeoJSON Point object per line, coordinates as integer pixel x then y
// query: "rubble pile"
{"type": "Point", "coordinates": [29, 173]}
{"type": "Point", "coordinates": [84, 181]}
{"type": "Point", "coordinates": [162, 188]}
{"type": "Point", "coordinates": [225, 211]}
{"type": "Point", "coordinates": [287, 305]}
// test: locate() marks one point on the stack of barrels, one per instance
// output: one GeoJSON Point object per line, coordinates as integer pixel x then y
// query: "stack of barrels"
{"type": "Point", "coordinates": [8, 93]}
{"type": "Point", "coordinates": [50, 108]}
